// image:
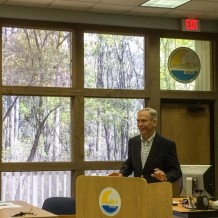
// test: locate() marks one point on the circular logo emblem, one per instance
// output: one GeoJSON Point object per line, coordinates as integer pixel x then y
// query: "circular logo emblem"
{"type": "Point", "coordinates": [184, 65]}
{"type": "Point", "coordinates": [109, 201]}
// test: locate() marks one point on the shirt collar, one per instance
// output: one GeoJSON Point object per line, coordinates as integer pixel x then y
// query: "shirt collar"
{"type": "Point", "coordinates": [150, 139]}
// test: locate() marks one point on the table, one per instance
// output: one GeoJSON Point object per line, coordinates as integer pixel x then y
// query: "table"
{"type": "Point", "coordinates": [179, 211]}
{"type": "Point", "coordinates": [25, 207]}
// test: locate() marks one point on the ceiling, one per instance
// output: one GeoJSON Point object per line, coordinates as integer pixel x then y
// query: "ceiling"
{"type": "Point", "coordinates": [200, 9]}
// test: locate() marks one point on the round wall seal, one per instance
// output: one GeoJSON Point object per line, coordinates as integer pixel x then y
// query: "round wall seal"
{"type": "Point", "coordinates": [184, 65]}
{"type": "Point", "coordinates": [109, 201]}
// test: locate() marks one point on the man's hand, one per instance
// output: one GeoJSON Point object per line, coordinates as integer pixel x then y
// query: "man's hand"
{"type": "Point", "coordinates": [159, 174]}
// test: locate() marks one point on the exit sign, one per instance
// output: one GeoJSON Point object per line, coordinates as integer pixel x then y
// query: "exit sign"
{"type": "Point", "coordinates": [192, 25]}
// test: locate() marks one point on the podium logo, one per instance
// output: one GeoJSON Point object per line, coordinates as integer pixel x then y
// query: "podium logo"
{"type": "Point", "coordinates": [109, 201]}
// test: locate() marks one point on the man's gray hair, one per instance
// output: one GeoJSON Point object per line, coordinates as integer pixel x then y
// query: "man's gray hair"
{"type": "Point", "coordinates": [151, 111]}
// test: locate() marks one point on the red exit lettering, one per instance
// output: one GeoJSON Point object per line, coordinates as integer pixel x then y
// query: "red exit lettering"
{"type": "Point", "coordinates": [191, 25]}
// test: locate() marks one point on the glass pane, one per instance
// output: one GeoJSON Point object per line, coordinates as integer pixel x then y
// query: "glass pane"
{"type": "Point", "coordinates": [33, 57]}
{"type": "Point", "coordinates": [35, 187]}
{"type": "Point", "coordinates": [113, 61]}
{"type": "Point", "coordinates": [202, 49]}
{"type": "Point", "coordinates": [109, 123]}
{"type": "Point", "coordinates": [36, 129]}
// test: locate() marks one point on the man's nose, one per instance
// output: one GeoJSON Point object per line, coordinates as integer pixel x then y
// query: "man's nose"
{"type": "Point", "coordinates": [139, 123]}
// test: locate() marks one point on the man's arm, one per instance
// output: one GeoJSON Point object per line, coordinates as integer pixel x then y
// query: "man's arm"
{"type": "Point", "coordinates": [173, 169]}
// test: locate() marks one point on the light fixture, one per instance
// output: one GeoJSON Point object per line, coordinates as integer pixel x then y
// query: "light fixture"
{"type": "Point", "coordinates": [164, 3]}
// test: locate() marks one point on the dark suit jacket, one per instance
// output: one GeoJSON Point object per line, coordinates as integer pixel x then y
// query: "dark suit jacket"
{"type": "Point", "coordinates": [162, 155]}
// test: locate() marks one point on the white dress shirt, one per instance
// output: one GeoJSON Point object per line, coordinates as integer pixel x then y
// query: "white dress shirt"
{"type": "Point", "coordinates": [145, 148]}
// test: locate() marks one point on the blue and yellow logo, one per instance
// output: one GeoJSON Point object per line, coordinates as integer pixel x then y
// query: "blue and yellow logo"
{"type": "Point", "coordinates": [109, 201]}
{"type": "Point", "coordinates": [184, 65]}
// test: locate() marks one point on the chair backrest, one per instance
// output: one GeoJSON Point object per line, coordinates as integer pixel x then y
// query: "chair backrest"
{"type": "Point", "coordinates": [60, 205]}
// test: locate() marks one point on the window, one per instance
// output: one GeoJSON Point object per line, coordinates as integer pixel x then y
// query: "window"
{"type": "Point", "coordinates": [39, 99]}
{"type": "Point", "coordinates": [36, 120]}
{"type": "Point", "coordinates": [109, 123]}
{"type": "Point", "coordinates": [202, 49]}
{"type": "Point", "coordinates": [33, 57]}
{"type": "Point", "coordinates": [36, 129]}
{"type": "Point", "coordinates": [35, 187]}
{"type": "Point", "coordinates": [114, 61]}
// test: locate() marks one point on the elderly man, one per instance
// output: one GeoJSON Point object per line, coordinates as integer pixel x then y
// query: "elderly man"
{"type": "Point", "coordinates": [150, 155]}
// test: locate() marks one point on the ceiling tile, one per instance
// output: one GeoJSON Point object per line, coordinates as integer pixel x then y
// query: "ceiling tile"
{"type": "Point", "coordinates": [210, 16]}
{"type": "Point", "coordinates": [71, 5]}
{"type": "Point", "coordinates": [183, 14]}
{"type": "Point", "coordinates": [34, 3]}
{"type": "Point", "coordinates": [200, 6]}
{"type": "Point", "coordinates": [124, 2]}
{"type": "Point", "coordinates": [110, 8]}
{"type": "Point", "coordinates": [87, 1]}
{"type": "Point", "coordinates": [149, 11]}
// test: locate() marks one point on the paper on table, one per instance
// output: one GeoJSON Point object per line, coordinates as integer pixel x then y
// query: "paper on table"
{"type": "Point", "coordinates": [4, 204]}
{"type": "Point", "coordinates": [175, 203]}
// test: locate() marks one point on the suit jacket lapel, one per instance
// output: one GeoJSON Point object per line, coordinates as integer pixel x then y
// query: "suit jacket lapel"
{"type": "Point", "coordinates": [137, 148]}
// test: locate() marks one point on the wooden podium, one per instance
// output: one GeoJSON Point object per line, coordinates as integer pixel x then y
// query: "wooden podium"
{"type": "Point", "coordinates": [122, 197]}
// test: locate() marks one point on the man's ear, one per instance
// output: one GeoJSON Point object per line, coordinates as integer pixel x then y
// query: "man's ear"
{"type": "Point", "coordinates": [155, 123]}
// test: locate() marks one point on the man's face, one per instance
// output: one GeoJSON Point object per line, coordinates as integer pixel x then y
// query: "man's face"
{"type": "Point", "coordinates": [145, 123]}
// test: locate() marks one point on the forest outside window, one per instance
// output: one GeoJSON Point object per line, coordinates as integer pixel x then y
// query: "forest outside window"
{"type": "Point", "coordinates": [113, 61]}
{"type": "Point", "coordinates": [109, 123]}
{"type": "Point", "coordinates": [33, 57]}
{"type": "Point", "coordinates": [36, 129]}
{"type": "Point", "coordinates": [35, 187]}
{"type": "Point", "coordinates": [202, 48]}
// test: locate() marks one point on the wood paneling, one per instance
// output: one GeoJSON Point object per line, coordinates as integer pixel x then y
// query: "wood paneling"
{"type": "Point", "coordinates": [189, 126]}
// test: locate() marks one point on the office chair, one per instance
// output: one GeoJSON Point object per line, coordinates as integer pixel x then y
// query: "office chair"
{"type": "Point", "coordinates": [60, 205]}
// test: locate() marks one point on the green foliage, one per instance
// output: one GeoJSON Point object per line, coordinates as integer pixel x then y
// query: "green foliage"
{"type": "Point", "coordinates": [113, 61]}
{"type": "Point", "coordinates": [36, 122]}
{"type": "Point", "coordinates": [36, 57]}
{"type": "Point", "coordinates": [108, 125]}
